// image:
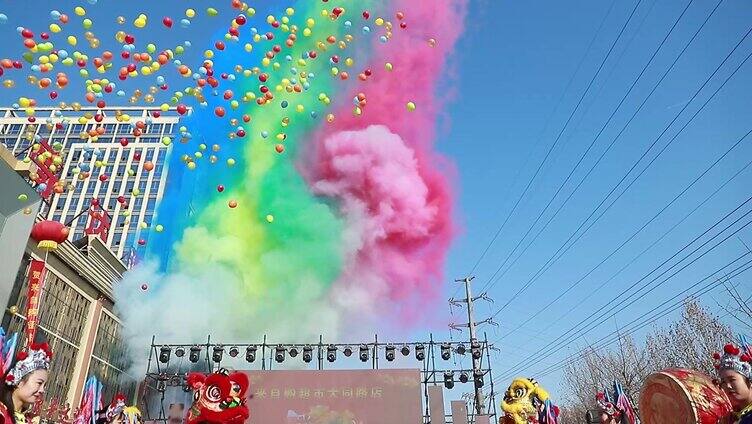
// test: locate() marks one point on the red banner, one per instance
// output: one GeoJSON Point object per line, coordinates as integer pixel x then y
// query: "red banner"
{"type": "Point", "coordinates": [36, 282]}
{"type": "Point", "coordinates": [335, 396]}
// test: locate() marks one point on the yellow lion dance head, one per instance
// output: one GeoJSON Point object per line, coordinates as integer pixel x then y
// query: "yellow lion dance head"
{"type": "Point", "coordinates": [522, 401]}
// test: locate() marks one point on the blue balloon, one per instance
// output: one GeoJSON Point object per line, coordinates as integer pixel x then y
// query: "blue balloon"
{"type": "Point", "coordinates": [185, 23]}
{"type": "Point", "coordinates": [3, 18]}
{"type": "Point", "coordinates": [55, 15]}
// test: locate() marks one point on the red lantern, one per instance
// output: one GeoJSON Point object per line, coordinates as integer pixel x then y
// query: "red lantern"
{"type": "Point", "coordinates": [49, 234]}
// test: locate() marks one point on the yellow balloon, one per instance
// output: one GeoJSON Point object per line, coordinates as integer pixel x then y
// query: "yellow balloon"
{"type": "Point", "coordinates": [270, 218]}
{"type": "Point", "coordinates": [190, 13]}
{"type": "Point", "coordinates": [72, 41]}
{"type": "Point", "coordinates": [55, 28]}
{"type": "Point", "coordinates": [139, 23]}
{"type": "Point", "coordinates": [80, 11]}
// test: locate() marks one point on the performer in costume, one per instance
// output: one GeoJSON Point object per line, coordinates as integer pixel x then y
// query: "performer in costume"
{"type": "Point", "coordinates": [526, 402]}
{"type": "Point", "coordinates": [617, 409]}
{"type": "Point", "coordinates": [115, 412]}
{"type": "Point", "coordinates": [24, 383]}
{"type": "Point", "coordinates": [218, 398]}
{"type": "Point", "coordinates": [735, 373]}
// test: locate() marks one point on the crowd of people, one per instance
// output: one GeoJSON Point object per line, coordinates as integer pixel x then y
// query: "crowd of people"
{"type": "Point", "coordinates": [672, 396]}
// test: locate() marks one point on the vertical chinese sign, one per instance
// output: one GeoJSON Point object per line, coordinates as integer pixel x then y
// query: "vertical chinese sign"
{"type": "Point", "coordinates": [36, 281]}
{"type": "Point", "coordinates": [335, 396]}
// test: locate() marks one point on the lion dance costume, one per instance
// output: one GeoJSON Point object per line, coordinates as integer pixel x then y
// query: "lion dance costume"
{"type": "Point", "coordinates": [526, 402]}
{"type": "Point", "coordinates": [218, 398]}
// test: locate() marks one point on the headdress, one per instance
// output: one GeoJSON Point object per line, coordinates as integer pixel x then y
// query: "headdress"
{"type": "Point", "coordinates": [736, 359]}
{"type": "Point", "coordinates": [37, 357]}
{"type": "Point", "coordinates": [116, 408]}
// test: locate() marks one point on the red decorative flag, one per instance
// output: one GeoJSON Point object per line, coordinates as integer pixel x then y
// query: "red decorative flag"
{"type": "Point", "coordinates": [36, 282]}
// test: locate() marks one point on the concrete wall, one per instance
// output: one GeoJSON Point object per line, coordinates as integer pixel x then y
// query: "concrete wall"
{"type": "Point", "coordinates": [15, 225]}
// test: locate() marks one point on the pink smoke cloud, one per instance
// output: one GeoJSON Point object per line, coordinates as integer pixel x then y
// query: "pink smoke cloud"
{"type": "Point", "coordinates": [393, 188]}
{"type": "Point", "coordinates": [398, 230]}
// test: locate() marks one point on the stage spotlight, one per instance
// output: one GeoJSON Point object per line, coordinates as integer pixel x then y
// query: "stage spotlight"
{"type": "Point", "coordinates": [464, 377]}
{"type": "Point", "coordinates": [331, 353]}
{"type": "Point", "coordinates": [446, 351]}
{"type": "Point", "coordinates": [195, 354]}
{"type": "Point", "coordinates": [405, 350]}
{"type": "Point", "coordinates": [347, 351]}
{"type": "Point", "coordinates": [307, 353]}
{"type": "Point", "coordinates": [363, 353]}
{"type": "Point", "coordinates": [234, 351]}
{"type": "Point", "coordinates": [293, 351]}
{"type": "Point", "coordinates": [478, 378]}
{"type": "Point", "coordinates": [250, 353]}
{"type": "Point", "coordinates": [448, 379]}
{"type": "Point", "coordinates": [420, 352]}
{"type": "Point", "coordinates": [164, 354]}
{"type": "Point", "coordinates": [180, 351]}
{"type": "Point", "coordinates": [461, 349]}
{"type": "Point", "coordinates": [217, 353]}
{"type": "Point", "coordinates": [476, 350]}
{"type": "Point", "coordinates": [390, 349]}
{"type": "Point", "coordinates": [279, 354]}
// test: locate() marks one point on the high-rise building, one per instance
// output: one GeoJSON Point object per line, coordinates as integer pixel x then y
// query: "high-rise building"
{"type": "Point", "coordinates": [125, 173]}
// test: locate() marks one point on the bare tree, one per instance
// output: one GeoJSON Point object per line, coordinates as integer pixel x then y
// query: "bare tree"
{"type": "Point", "coordinates": [595, 370]}
{"type": "Point", "coordinates": [687, 343]}
{"type": "Point", "coordinates": [740, 307]}
{"type": "Point", "coordinates": [690, 341]}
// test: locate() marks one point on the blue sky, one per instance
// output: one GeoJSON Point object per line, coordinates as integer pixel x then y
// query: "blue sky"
{"type": "Point", "coordinates": [509, 103]}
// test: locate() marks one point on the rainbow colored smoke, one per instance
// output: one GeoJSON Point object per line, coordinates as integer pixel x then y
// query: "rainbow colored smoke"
{"type": "Point", "coordinates": [361, 206]}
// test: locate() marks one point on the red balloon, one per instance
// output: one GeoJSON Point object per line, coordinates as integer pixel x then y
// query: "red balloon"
{"type": "Point", "coordinates": [144, 286]}
{"type": "Point", "coordinates": [219, 111]}
{"type": "Point", "coordinates": [182, 109]}
{"type": "Point", "coordinates": [167, 21]}
{"type": "Point", "coordinates": [220, 188]}
{"type": "Point", "coordinates": [103, 177]}
{"type": "Point", "coordinates": [53, 95]}
{"type": "Point", "coordinates": [141, 242]}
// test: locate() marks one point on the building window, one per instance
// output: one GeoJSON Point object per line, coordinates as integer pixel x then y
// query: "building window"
{"type": "Point", "coordinates": [62, 317]}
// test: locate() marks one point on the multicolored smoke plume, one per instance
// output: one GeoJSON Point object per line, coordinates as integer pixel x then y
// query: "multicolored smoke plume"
{"type": "Point", "coordinates": [327, 205]}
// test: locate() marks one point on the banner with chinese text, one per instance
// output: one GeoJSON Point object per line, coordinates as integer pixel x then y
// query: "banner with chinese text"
{"type": "Point", "coordinates": [36, 282]}
{"type": "Point", "coordinates": [335, 397]}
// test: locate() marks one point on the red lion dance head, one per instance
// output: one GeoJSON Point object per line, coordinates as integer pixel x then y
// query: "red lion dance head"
{"type": "Point", "coordinates": [218, 398]}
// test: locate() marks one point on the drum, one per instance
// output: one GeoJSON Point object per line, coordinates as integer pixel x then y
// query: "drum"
{"type": "Point", "coordinates": [679, 396]}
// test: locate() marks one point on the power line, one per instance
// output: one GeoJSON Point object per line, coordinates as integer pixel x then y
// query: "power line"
{"type": "Point", "coordinates": [700, 292]}
{"type": "Point", "coordinates": [639, 108]}
{"type": "Point", "coordinates": [597, 136]}
{"type": "Point", "coordinates": [597, 289]}
{"type": "Point", "coordinates": [600, 319]}
{"type": "Point", "coordinates": [634, 234]}
{"type": "Point", "coordinates": [554, 257]}
{"type": "Point", "coordinates": [548, 153]}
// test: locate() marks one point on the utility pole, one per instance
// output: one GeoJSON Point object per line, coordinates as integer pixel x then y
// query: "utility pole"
{"type": "Point", "coordinates": [475, 345]}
